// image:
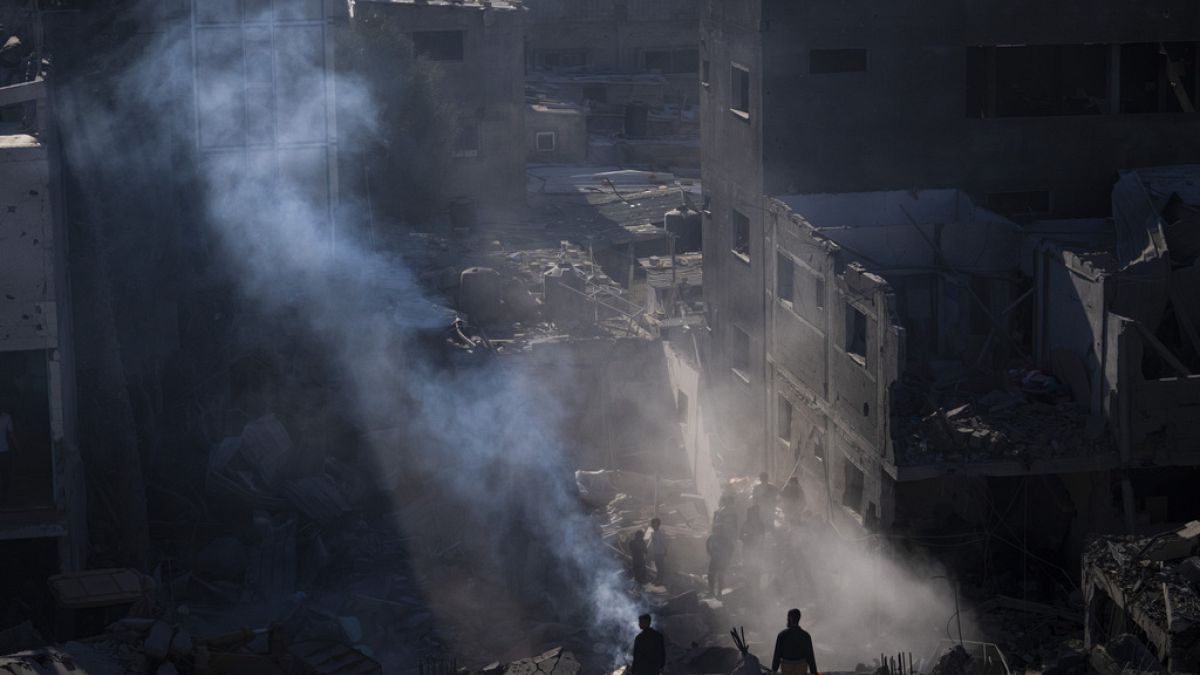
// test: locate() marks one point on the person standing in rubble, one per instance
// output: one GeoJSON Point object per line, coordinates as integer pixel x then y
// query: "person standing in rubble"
{"type": "Point", "coordinates": [720, 543]}
{"type": "Point", "coordinates": [792, 501]}
{"type": "Point", "coordinates": [752, 548]}
{"type": "Point", "coordinates": [637, 555]}
{"type": "Point", "coordinates": [656, 545]}
{"type": "Point", "coordinates": [649, 649]}
{"type": "Point", "coordinates": [794, 649]}
{"type": "Point", "coordinates": [765, 496]}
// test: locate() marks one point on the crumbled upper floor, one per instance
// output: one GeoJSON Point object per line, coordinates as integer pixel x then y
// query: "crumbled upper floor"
{"type": "Point", "coordinates": [1147, 587]}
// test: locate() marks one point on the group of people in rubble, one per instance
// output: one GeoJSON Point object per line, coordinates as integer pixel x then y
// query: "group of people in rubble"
{"type": "Point", "coordinates": [756, 528]}
{"type": "Point", "coordinates": [793, 655]}
{"type": "Point", "coordinates": [728, 530]}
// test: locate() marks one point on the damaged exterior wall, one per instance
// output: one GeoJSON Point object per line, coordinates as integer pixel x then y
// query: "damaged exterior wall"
{"type": "Point", "coordinates": [758, 139]}
{"type": "Point", "coordinates": [47, 496]}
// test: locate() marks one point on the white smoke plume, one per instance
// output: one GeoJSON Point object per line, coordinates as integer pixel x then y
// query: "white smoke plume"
{"type": "Point", "coordinates": [486, 437]}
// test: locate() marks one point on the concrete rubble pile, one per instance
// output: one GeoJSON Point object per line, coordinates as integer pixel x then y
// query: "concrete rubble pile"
{"type": "Point", "coordinates": [1147, 589]}
{"type": "Point", "coordinates": [1035, 418]}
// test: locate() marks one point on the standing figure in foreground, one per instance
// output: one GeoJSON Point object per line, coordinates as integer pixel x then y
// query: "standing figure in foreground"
{"type": "Point", "coordinates": [720, 544]}
{"type": "Point", "coordinates": [794, 649]}
{"type": "Point", "coordinates": [649, 649]}
{"type": "Point", "coordinates": [656, 544]}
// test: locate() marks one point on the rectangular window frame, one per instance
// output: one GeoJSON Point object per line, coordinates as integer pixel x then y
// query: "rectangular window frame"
{"type": "Point", "coordinates": [856, 324]}
{"type": "Point", "coordinates": [537, 141]}
{"type": "Point", "coordinates": [705, 72]}
{"type": "Point", "coordinates": [740, 227]}
{"type": "Point", "coordinates": [739, 361]}
{"type": "Point", "coordinates": [784, 413]}
{"type": "Point", "coordinates": [739, 90]}
{"type": "Point", "coordinates": [785, 279]}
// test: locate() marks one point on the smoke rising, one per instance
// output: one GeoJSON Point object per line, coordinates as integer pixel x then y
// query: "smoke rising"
{"type": "Point", "coordinates": [485, 438]}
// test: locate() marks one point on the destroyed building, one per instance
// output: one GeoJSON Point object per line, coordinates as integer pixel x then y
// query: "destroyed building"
{"type": "Point", "coordinates": [856, 275]}
{"type": "Point", "coordinates": [43, 525]}
{"type": "Point", "coordinates": [1143, 602]}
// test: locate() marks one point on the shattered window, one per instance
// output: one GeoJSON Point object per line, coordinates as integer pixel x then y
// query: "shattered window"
{"type": "Point", "coordinates": [438, 45]}
{"type": "Point", "coordinates": [856, 332]}
{"type": "Point", "coordinates": [785, 278]}
{"type": "Point", "coordinates": [741, 235]}
{"type": "Point", "coordinates": [784, 420]}
{"type": "Point", "coordinates": [739, 90]}
{"type": "Point", "coordinates": [1159, 78]}
{"type": "Point", "coordinates": [852, 490]}
{"type": "Point", "coordinates": [1037, 80]}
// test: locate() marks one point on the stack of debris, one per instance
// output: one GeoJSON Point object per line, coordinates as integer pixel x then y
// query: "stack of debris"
{"type": "Point", "coordinates": [1145, 586]}
{"type": "Point", "coordinates": [998, 426]}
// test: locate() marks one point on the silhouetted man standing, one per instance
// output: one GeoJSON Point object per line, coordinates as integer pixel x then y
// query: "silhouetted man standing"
{"type": "Point", "coordinates": [656, 546]}
{"type": "Point", "coordinates": [649, 649]}
{"type": "Point", "coordinates": [793, 649]}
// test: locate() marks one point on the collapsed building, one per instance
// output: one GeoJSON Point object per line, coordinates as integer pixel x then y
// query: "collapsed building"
{"type": "Point", "coordinates": [912, 331]}
{"type": "Point", "coordinates": [1143, 602]}
{"type": "Point", "coordinates": [42, 509]}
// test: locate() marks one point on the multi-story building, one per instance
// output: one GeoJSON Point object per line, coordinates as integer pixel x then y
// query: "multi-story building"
{"type": "Point", "coordinates": [876, 180]}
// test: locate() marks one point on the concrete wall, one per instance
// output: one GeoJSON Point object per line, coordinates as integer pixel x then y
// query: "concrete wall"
{"type": "Point", "coordinates": [34, 312]}
{"type": "Point", "coordinates": [839, 399]}
{"type": "Point", "coordinates": [486, 88]}
{"type": "Point", "coordinates": [570, 135]}
{"type": "Point", "coordinates": [922, 137]}
{"type": "Point", "coordinates": [731, 152]}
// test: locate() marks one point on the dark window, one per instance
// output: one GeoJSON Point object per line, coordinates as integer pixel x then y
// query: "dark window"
{"type": "Point", "coordinates": [704, 66]}
{"type": "Point", "coordinates": [561, 58]}
{"type": "Point", "coordinates": [439, 45]}
{"type": "Point", "coordinates": [1037, 81]}
{"type": "Point", "coordinates": [671, 61]}
{"type": "Point", "coordinates": [741, 234]}
{"type": "Point", "coordinates": [785, 277]}
{"type": "Point", "coordinates": [852, 490]}
{"type": "Point", "coordinates": [1159, 78]}
{"type": "Point", "coordinates": [856, 332]}
{"type": "Point", "coordinates": [818, 450]}
{"type": "Point", "coordinates": [1034, 202]}
{"type": "Point", "coordinates": [822, 61]}
{"type": "Point", "coordinates": [596, 93]}
{"type": "Point", "coordinates": [819, 291]}
{"type": "Point", "coordinates": [739, 90]}
{"type": "Point", "coordinates": [740, 356]}
{"type": "Point", "coordinates": [784, 420]}
{"type": "Point", "coordinates": [545, 141]}
{"type": "Point", "coordinates": [466, 141]}
{"type": "Point", "coordinates": [681, 406]}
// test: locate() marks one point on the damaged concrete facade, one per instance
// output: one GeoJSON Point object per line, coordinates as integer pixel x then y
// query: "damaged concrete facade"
{"type": "Point", "coordinates": [474, 50]}
{"type": "Point", "coordinates": [829, 291]}
{"type": "Point", "coordinates": [43, 493]}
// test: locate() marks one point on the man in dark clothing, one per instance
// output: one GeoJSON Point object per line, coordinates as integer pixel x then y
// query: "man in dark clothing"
{"type": "Point", "coordinates": [637, 555]}
{"type": "Point", "coordinates": [793, 649]}
{"type": "Point", "coordinates": [649, 649]}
